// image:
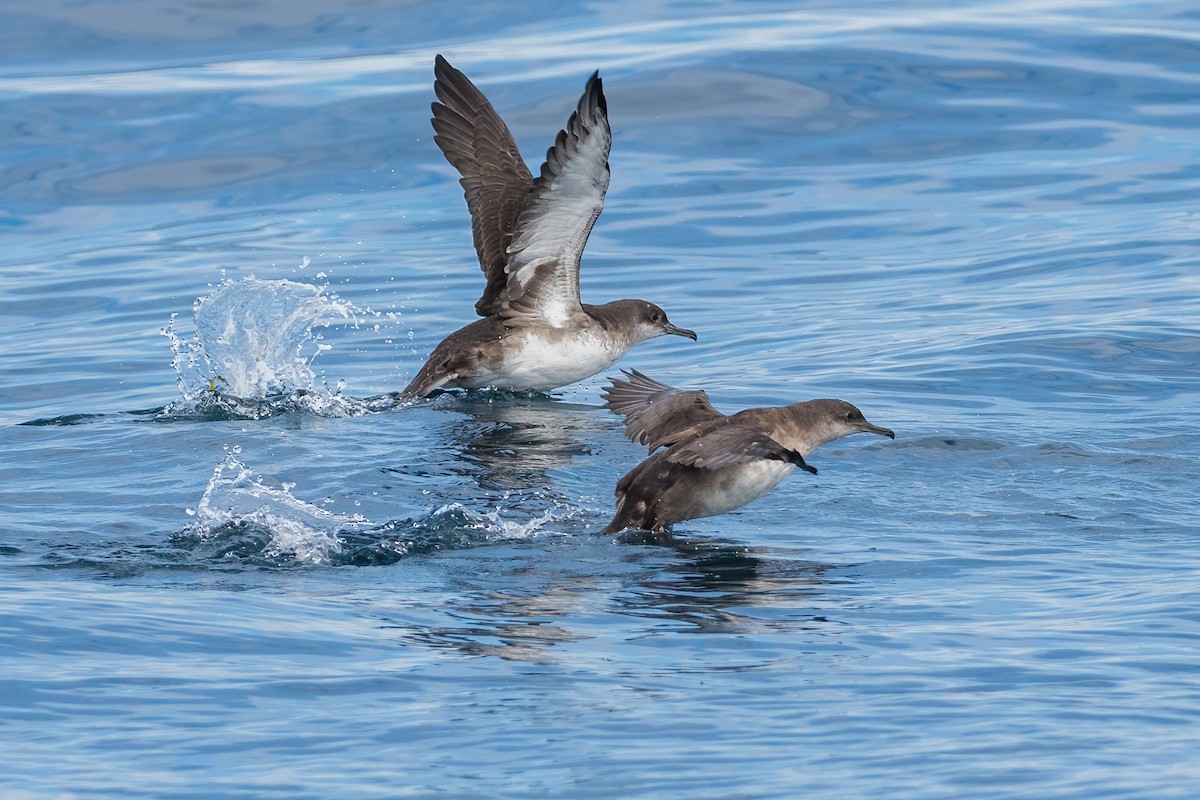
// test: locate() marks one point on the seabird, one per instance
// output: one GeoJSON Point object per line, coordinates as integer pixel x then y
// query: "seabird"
{"type": "Point", "coordinates": [529, 234]}
{"type": "Point", "coordinates": [711, 463]}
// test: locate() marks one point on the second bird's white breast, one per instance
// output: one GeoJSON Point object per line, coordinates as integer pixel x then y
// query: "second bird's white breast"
{"type": "Point", "coordinates": [734, 487]}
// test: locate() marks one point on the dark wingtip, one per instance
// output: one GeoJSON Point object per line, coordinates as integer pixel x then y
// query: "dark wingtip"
{"type": "Point", "coordinates": [594, 92]}
{"type": "Point", "coordinates": [799, 461]}
{"type": "Point", "coordinates": [445, 72]}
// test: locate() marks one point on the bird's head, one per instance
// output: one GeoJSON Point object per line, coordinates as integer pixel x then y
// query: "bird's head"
{"type": "Point", "coordinates": [649, 320]}
{"type": "Point", "coordinates": [828, 420]}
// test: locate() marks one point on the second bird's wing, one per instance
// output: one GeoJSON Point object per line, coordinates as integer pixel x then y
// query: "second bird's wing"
{"type": "Point", "coordinates": [658, 415]}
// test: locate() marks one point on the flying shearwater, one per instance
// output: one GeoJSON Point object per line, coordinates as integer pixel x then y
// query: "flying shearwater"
{"type": "Point", "coordinates": [529, 234]}
{"type": "Point", "coordinates": [712, 463]}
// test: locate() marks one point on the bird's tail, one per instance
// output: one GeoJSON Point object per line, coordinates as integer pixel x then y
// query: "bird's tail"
{"type": "Point", "coordinates": [427, 381]}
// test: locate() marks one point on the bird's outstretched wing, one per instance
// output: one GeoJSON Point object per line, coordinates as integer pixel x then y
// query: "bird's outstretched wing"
{"type": "Point", "coordinates": [568, 196]}
{"type": "Point", "coordinates": [495, 180]}
{"type": "Point", "coordinates": [658, 415]}
{"type": "Point", "coordinates": [685, 422]}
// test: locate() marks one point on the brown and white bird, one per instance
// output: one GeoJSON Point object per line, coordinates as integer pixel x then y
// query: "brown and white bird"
{"type": "Point", "coordinates": [529, 234]}
{"type": "Point", "coordinates": [712, 463]}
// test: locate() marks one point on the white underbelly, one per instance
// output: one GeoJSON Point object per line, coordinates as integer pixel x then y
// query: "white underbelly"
{"type": "Point", "coordinates": [736, 486]}
{"type": "Point", "coordinates": [543, 364]}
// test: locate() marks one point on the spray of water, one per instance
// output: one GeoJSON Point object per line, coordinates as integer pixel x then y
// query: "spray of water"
{"type": "Point", "coordinates": [253, 350]}
{"type": "Point", "coordinates": [235, 501]}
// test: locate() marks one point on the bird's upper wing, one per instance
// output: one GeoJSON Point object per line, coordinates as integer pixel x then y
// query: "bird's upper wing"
{"type": "Point", "coordinates": [730, 445]}
{"type": "Point", "coordinates": [543, 257]}
{"type": "Point", "coordinates": [494, 177]}
{"type": "Point", "coordinates": [659, 415]}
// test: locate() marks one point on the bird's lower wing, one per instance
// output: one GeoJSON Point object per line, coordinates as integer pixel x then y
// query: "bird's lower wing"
{"type": "Point", "coordinates": [730, 446]}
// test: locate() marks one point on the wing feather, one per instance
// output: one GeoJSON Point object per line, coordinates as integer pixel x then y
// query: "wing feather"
{"type": "Point", "coordinates": [729, 446]}
{"type": "Point", "coordinates": [551, 232]}
{"type": "Point", "coordinates": [658, 415]}
{"type": "Point", "coordinates": [685, 422]}
{"type": "Point", "coordinates": [495, 180]}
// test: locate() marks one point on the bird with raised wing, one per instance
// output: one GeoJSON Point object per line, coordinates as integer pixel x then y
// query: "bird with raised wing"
{"type": "Point", "coordinates": [529, 234]}
{"type": "Point", "coordinates": [710, 463]}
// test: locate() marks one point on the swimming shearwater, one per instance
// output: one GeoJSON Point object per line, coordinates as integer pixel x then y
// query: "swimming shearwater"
{"type": "Point", "coordinates": [711, 463]}
{"type": "Point", "coordinates": [529, 234]}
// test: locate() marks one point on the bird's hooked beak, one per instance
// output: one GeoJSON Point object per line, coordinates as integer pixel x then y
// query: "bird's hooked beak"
{"type": "Point", "coordinates": [678, 331]}
{"type": "Point", "coordinates": [869, 428]}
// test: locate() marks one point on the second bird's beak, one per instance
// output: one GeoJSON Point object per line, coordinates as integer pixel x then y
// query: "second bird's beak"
{"type": "Point", "coordinates": [678, 331]}
{"type": "Point", "coordinates": [888, 432]}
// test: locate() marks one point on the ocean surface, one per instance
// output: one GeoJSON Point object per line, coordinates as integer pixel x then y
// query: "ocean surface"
{"type": "Point", "coordinates": [226, 571]}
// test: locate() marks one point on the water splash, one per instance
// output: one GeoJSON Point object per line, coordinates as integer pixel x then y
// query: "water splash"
{"type": "Point", "coordinates": [247, 517]}
{"type": "Point", "coordinates": [241, 517]}
{"type": "Point", "coordinates": [253, 351]}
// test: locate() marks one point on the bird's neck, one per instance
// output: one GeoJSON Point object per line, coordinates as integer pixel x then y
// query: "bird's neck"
{"type": "Point", "coordinates": [617, 322]}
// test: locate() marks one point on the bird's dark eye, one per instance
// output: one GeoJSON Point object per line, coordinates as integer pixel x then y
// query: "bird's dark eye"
{"type": "Point", "coordinates": [849, 416]}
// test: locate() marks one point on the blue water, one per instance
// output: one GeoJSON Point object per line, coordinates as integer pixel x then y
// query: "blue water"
{"type": "Point", "coordinates": [976, 221]}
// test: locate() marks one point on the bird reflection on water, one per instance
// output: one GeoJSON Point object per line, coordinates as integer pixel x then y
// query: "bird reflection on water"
{"type": "Point", "coordinates": [513, 444]}
{"type": "Point", "coordinates": [713, 578]}
{"type": "Point", "coordinates": [692, 585]}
